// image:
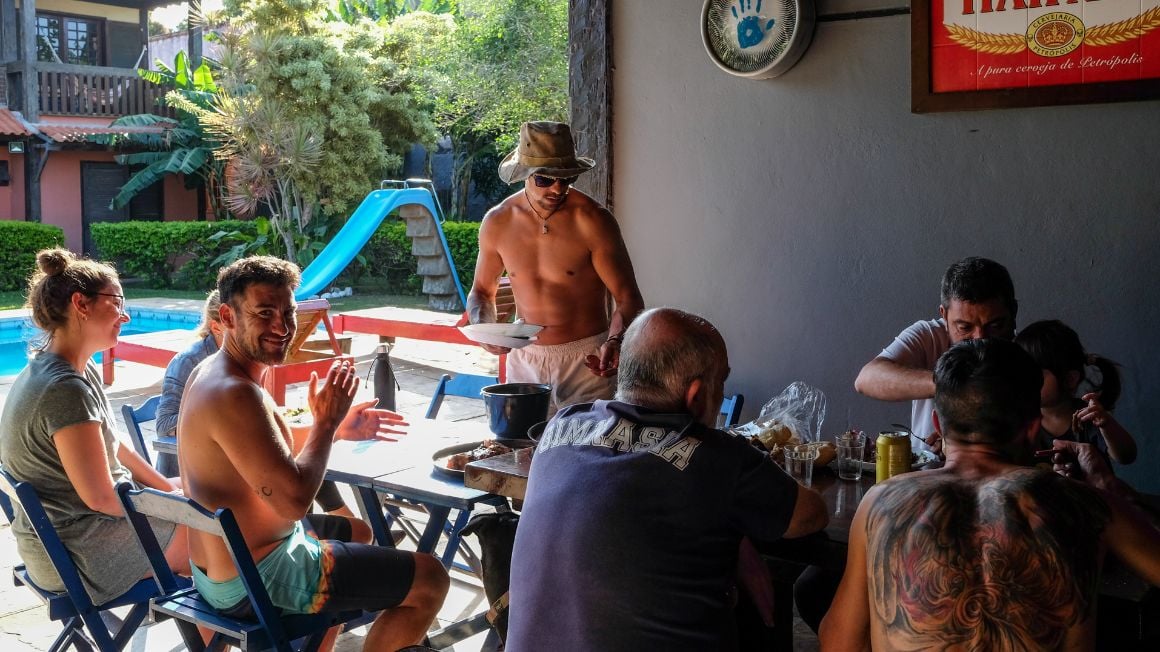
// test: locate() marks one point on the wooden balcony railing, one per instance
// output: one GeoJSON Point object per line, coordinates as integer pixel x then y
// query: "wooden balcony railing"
{"type": "Point", "coordinates": [96, 91]}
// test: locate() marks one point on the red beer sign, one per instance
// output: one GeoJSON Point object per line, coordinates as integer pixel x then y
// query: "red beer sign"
{"type": "Point", "coordinates": [978, 45]}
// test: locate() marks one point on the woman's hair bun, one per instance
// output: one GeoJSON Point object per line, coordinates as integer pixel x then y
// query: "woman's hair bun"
{"type": "Point", "coordinates": [53, 261]}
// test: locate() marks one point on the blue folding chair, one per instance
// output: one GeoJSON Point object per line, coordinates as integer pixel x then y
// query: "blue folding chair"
{"type": "Point", "coordinates": [463, 385]}
{"type": "Point", "coordinates": [6, 507]}
{"type": "Point", "coordinates": [731, 410]}
{"type": "Point", "coordinates": [84, 628]}
{"type": "Point", "coordinates": [134, 417]}
{"type": "Point", "coordinates": [271, 630]}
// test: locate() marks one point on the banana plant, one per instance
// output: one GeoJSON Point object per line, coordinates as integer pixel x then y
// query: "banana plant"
{"type": "Point", "coordinates": [182, 146]}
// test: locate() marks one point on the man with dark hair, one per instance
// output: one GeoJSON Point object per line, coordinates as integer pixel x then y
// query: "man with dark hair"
{"type": "Point", "coordinates": [983, 554]}
{"type": "Point", "coordinates": [566, 258]}
{"type": "Point", "coordinates": [636, 507]}
{"type": "Point", "coordinates": [978, 300]}
{"type": "Point", "coordinates": [236, 451]}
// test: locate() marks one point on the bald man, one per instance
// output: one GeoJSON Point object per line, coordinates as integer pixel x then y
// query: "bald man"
{"type": "Point", "coordinates": [636, 506]}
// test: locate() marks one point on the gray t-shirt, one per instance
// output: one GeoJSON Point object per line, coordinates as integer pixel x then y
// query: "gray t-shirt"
{"type": "Point", "coordinates": [920, 346]}
{"type": "Point", "coordinates": [48, 396]}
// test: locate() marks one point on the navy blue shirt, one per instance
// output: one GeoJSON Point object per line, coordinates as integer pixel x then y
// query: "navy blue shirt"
{"type": "Point", "coordinates": [629, 534]}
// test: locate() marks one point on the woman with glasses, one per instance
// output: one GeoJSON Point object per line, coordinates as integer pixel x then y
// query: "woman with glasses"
{"type": "Point", "coordinates": [56, 434]}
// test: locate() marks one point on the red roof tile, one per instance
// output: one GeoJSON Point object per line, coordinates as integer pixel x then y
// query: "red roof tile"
{"type": "Point", "coordinates": [10, 125]}
{"type": "Point", "coordinates": [77, 133]}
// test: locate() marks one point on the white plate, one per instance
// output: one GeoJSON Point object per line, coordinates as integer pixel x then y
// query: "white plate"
{"type": "Point", "coordinates": [924, 458]}
{"type": "Point", "coordinates": [484, 337]}
{"type": "Point", "coordinates": [517, 329]}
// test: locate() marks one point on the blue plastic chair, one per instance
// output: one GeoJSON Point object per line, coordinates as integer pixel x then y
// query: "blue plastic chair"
{"type": "Point", "coordinates": [731, 410]}
{"type": "Point", "coordinates": [84, 628]}
{"type": "Point", "coordinates": [463, 385]}
{"type": "Point", "coordinates": [271, 630]}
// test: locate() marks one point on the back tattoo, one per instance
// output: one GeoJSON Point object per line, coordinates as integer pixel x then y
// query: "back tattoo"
{"type": "Point", "coordinates": [1008, 563]}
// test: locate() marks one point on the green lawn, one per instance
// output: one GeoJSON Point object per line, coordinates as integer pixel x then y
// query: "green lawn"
{"type": "Point", "coordinates": [10, 300]}
{"type": "Point", "coordinates": [361, 299]}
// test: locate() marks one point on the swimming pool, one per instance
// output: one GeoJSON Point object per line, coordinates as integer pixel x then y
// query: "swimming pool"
{"type": "Point", "coordinates": [15, 333]}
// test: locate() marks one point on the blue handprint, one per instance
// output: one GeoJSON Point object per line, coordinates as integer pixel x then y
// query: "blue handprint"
{"type": "Point", "coordinates": [749, 29]}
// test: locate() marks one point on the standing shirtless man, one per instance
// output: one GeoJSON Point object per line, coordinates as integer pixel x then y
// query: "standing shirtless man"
{"type": "Point", "coordinates": [564, 254]}
{"type": "Point", "coordinates": [236, 451]}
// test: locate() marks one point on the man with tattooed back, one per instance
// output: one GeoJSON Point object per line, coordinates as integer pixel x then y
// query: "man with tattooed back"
{"type": "Point", "coordinates": [983, 554]}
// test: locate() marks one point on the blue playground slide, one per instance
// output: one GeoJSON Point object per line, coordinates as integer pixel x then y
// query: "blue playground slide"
{"type": "Point", "coordinates": [357, 231]}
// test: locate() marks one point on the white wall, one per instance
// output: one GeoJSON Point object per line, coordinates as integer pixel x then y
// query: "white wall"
{"type": "Point", "coordinates": [811, 216]}
{"type": "Point", "coordinates": [166, 46]}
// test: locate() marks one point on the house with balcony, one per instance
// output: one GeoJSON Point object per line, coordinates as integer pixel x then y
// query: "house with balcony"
{"type": "Point", "coordinates": [70, 70]}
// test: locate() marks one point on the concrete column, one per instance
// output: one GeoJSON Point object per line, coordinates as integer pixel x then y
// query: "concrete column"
{"type": "Point", "coordinates": [590, 92]}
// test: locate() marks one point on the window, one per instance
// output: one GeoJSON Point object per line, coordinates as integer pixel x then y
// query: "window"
{"type": "Point", "coordinates": [68, 39]}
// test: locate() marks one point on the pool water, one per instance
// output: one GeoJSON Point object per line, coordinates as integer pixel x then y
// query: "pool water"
{"type": "Point", "coordinates": [15, 334]}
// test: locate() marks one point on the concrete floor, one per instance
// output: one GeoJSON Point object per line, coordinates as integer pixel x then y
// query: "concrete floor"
{"type": "Point", "coordinates": [24, 625]}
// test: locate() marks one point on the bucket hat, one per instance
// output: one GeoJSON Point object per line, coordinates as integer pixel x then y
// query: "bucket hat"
{"type": "Point", "coordinates": [545, 148]}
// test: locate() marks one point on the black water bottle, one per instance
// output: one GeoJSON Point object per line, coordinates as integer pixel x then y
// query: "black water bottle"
{"type": "Point", "coordinates": [385, 382]}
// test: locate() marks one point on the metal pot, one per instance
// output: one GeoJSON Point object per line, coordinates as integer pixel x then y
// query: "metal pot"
{"type": "Point", "coordinates": [512, 408]}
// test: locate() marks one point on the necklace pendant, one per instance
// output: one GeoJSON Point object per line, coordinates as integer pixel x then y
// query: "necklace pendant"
{"type": "Point", "coordinates": [544, 229]}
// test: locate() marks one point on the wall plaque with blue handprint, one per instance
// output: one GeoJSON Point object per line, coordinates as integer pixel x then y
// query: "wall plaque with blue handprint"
{"type": "Point", "coordinates": [751, 25]}
{"type": "Point", "coordinates": [757, 38]}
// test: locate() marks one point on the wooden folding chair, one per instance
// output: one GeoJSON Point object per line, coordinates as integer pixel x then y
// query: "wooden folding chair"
{"type": "Point", "coordinates": [271, 630]}
{"type": "Point", "coordinates": [83, 625]}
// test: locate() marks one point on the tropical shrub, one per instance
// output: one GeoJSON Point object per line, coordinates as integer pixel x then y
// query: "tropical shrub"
{"type": "Point", "coordinates": [19, 242]}
{"type": "Point", "coordinates": [167, 254]}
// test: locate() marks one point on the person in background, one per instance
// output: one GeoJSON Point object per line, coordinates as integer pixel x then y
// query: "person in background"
{"type": "Point", "coordinates": [236, 451]}
{"type": "Point", "coordinates": [210, 333]}
{"type": "Point", "coordinates": [636, 507]}
{"type": "Point", "coordinates": [56, 434]}
{"type": "Point", "coordinates": [565, 256]}
{"type": "Point", "coordinates": [1056, 348]}
{"type": "Point", "coordinates": [983, 554]}
{"type": "Point", "coordinates": [977, 300]}
{"type": "Point", "coordinates": [209, 339]}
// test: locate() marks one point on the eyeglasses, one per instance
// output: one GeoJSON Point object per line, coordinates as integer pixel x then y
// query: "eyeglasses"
{"type": "Point", "coordinates": [120, 302]}
{"type": "Point", "coordinates": [547, 182]}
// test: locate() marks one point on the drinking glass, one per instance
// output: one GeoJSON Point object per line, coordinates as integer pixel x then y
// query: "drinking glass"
{"type": "Point", "coordinates": [851, 450]}
{"type": "Point", "coordinates": [799, 462]}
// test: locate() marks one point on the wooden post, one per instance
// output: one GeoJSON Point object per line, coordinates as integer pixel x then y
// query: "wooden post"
{"type": "Point", "coordinates": [195, 39]}
{"type": "Point", "coordinates": [143, 24]}
{"type": "Point", "coordinates": [9, 48]}
{"type": "Point", "coordinates": [29, 103]}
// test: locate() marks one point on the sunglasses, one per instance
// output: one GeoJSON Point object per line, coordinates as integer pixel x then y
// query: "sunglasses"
{"type": "Point", "coordinates": [547, 182]}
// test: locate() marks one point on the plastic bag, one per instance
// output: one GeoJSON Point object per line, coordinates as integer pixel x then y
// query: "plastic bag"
{"type": "Point", "coordinates": [799, 408]}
